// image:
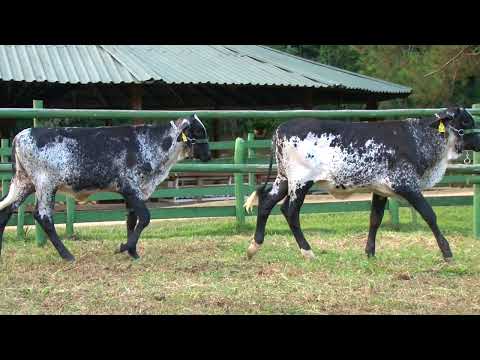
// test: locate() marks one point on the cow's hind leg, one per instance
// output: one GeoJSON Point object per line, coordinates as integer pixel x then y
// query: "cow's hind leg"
{"type": "Point", "coordinates": [17, 194]}
{"type": "Point", "coordinates": [419, 203]}
{"type": "Point", "coordinates": [291, 210]}
{"type": "Point", "coordinates": [376, 216]}
{"type": "Point", "coordinates": [141, 211]}
{"type": "Point", "coordinates": [44, 215]}
{"type": "Point", "coordinates": [266, 202]}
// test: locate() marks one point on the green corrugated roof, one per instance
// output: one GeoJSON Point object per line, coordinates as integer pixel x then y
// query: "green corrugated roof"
{"type": "Point", "coordinates": [178, 64]}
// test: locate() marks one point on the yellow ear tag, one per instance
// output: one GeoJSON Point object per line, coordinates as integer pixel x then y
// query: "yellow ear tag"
{"type": "Point", "coordinates": [184, 137]}
{"type": "Point", "coordinates": [441, 127]}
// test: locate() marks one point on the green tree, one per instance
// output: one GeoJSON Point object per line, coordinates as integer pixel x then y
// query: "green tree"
{"type": "Point", "coordinates": [342, 56]}
{"type": "Point", "coordinates": [438, 74]}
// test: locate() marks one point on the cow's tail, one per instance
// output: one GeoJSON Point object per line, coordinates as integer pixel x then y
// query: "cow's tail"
{"type": "Point", "coordinates": [261, 189]}
{"type": "Point", "coordinates": [10, 197]}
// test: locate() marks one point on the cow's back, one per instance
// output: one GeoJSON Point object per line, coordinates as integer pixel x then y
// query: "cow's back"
{"type": "Point", "coordinates": [396, 134]}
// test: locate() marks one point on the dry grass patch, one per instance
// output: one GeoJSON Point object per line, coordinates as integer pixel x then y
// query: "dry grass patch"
{"type": "Point", "coordinates": [198, 267]}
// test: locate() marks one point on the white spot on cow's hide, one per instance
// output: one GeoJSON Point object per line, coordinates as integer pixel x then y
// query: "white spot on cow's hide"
{"type": "Point", "coordinates": [51, 164]}
{"type": "Point", "coordinates": [276, 185]}
{"type": "Point", "coordinates": [341, 170]}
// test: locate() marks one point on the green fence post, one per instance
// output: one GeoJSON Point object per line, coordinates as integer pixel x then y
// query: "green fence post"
{"type": "Point", "coordinates": [70, 215]}
{"type": "Point", "coordinates": [21, 222]}
{"type": "Point", "coordinates": [40, 235]}
{"type": "Point", "coordinates": [414, 216]}
{"type": "Point", "coordinates": [239, 158]}
{"type": "Point", "coordinates": [4, 159]}
{"type": "Point", "coordinates": [251, 155]}
{"type": "Point", "coordinates": [393, 207]}
{"type": "Point", "coordinates": [476, 192]}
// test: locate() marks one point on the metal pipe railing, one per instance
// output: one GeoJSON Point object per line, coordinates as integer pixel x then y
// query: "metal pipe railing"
{"type": "Point", "coordinates": [252, 168]}
{"type": "Point", "coordinates": [30, 113]}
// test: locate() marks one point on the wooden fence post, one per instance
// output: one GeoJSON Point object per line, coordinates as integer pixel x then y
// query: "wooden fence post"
{"type": "Point", "coordinates": [239, 158]}
{"type": "Point", "coordinates": [476, 192]}
{"type": "Point", "coordinates": [40, 235]}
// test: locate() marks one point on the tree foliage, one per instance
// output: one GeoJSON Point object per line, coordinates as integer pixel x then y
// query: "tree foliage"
{"type": "Point", "coordinates": [438, 74]}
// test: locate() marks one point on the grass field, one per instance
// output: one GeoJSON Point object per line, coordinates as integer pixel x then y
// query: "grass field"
{"type": "Point", "coordinates": [199, 267]}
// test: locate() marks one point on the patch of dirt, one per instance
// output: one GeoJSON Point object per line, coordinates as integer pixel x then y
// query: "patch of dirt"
{"type": "Point", "coordinates": [404, 276]}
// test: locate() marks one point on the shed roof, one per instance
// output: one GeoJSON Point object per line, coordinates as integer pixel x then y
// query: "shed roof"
{"type": "Point", "coordinates": [179, 64]}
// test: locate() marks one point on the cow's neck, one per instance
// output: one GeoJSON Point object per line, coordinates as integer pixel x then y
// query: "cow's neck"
{"type": "Point", "coordinates": [177, 150]}
{"type": "Point", "coordinates": [178, 153]}
{"type": "Point", "coordinates": [433, 146]}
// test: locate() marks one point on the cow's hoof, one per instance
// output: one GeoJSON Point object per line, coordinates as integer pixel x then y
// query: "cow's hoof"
{"type": "Point", "coordinates": [370, 255]}
{"type": "Point", "coordinates": [252, 249]}
{"type": "Point", "coordinates": [133, 254]}
{"type": "Point", "coordinates": [123, 247]}
{"type": "Point", "coordinates": [68, 257]}
{"type": "Point", "coordinates": [307, 254]}
{"type": "Point", "coordinates": [448, 259]}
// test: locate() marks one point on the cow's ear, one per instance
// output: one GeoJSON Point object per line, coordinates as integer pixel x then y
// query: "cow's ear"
{"type": "Point", "coordinates": [442, 118]}
{"type": "Point", "coordinates": [182, 124]}
{"type": "Point", "coordinates": [447, 115]}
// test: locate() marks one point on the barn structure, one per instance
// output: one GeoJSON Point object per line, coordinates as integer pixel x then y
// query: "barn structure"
{"type": "Point", "coordinates": [167, 77]}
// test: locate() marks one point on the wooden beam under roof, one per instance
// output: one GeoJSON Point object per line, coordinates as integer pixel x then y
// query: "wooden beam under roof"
{"type": "Point", "coordinates": [136, 100]}
{"type": "Point", "coordinates": [220, 96]}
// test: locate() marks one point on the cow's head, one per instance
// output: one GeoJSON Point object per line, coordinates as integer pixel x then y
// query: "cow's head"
{"type": "Point", "coordinates": [459, 122]}
{"type": "Point", "coordinates": [194, 135]}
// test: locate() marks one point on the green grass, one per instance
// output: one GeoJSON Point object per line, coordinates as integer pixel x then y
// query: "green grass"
{"type": "Point", "coordinates": [199, 266]}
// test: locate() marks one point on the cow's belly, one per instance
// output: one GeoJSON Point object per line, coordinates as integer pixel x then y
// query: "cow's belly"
{"type": "Point", "coordinates": [82, 195]}
{"type": "Point", "coordinates": [344, 192]}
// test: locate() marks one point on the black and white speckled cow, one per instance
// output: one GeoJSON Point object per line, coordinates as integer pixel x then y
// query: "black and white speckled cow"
{"type": "Point", "coordinates": [394, 158]}
{"type": "Point", "coordinates": [130, 160]}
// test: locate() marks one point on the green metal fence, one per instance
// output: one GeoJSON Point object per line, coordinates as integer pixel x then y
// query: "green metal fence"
{"type": "Point", "coordinates": [244, 165]}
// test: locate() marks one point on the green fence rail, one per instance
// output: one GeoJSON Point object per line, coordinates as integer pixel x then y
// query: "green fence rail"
{"type": "Point", "coordinates": [244, 165]}
{"type": "Point", "coordinates": [28, 113]}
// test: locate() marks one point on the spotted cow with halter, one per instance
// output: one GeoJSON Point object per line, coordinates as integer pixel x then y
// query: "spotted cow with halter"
{"type": "Point", "coordinates": [390, 159]}
{"type": "Point", "coordinates": [129, 160]}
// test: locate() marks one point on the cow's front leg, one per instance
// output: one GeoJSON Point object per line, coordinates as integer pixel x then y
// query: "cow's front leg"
{"type": "Point", "coordinates": [416, 199]}
{"type": "Point", "coordinates": [132, 219]}
{"type": "Point", "coordinates": [44, 215]}
{"type": "Point", "coordinates": [376, 216]}
{"type": "Point", "coordinates": [266, 202]}
{"type": "Point", "coordinates": [291, 210]}
{"type": "Point", "coordinates": [141, 211]}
